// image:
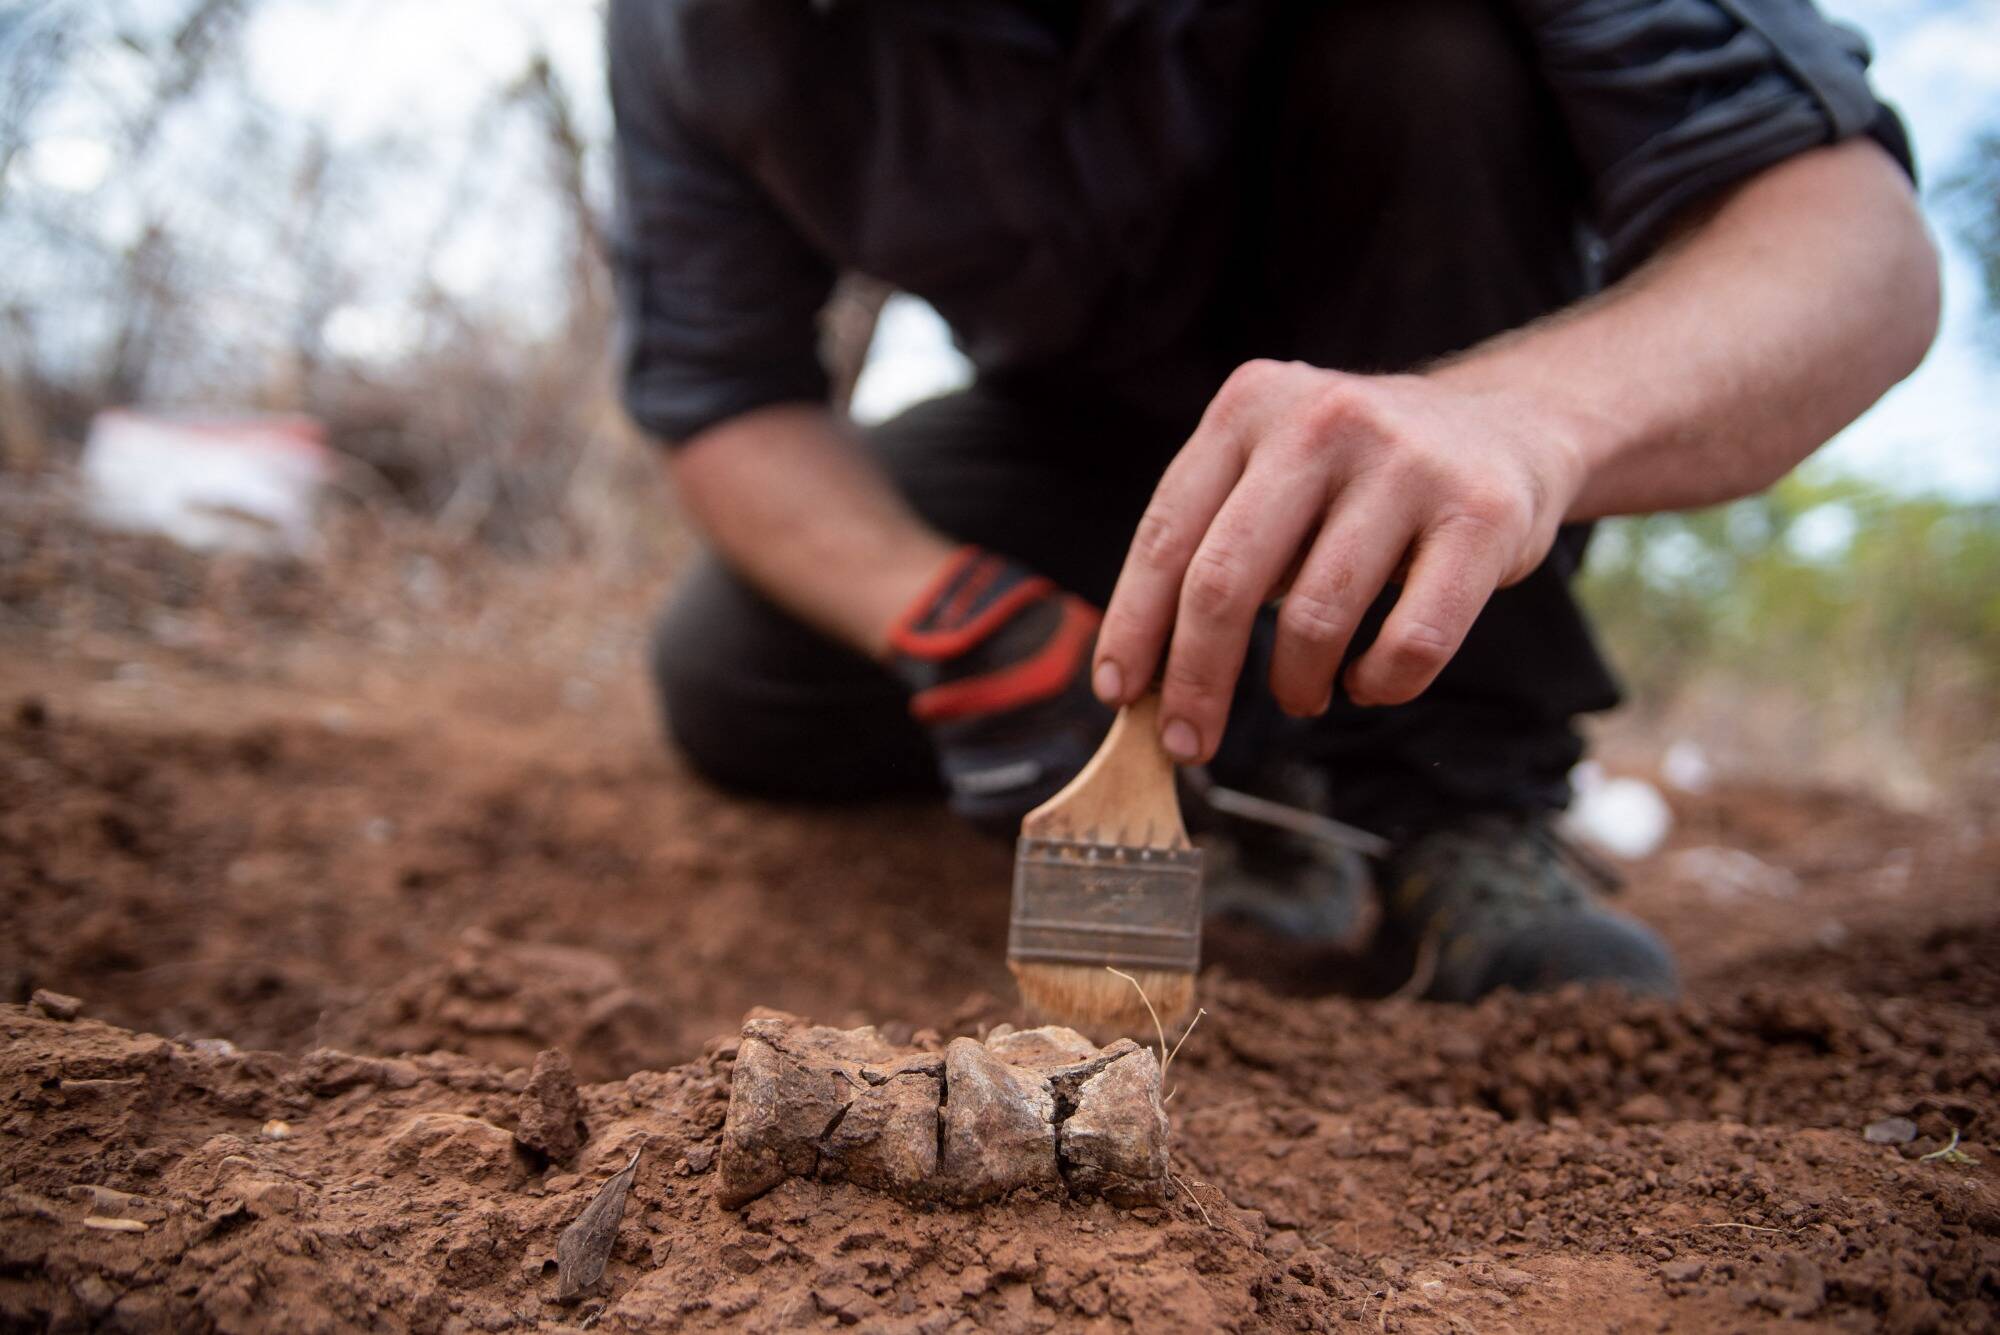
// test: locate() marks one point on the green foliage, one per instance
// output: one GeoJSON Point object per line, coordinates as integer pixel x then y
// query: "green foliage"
{"type": "Point", "coordinates": [1828, 586]}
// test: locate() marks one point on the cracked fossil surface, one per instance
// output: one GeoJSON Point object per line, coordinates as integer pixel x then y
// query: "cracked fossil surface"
{"type": "Point", "coordinates": [1038, 1108]}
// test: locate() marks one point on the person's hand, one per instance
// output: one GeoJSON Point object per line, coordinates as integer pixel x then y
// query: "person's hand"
{"type": "Point", "coordinates": [997, 660]}
{"type": "Point", "coordinates": [1324, 487]}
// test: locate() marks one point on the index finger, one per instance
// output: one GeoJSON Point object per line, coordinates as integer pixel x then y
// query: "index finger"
{"type": "Point", "coordinates": [1141, 611]}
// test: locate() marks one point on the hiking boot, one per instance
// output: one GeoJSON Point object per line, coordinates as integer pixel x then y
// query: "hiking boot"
{"type": "Point", "coordinates": [1497, 901]}
{"type": "Point", "coordinates": [1284, 885]}
{"type": "Point", "coordinates": [1276, 882]}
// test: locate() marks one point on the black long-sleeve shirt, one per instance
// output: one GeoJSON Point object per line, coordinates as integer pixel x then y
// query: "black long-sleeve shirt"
{"type": "Point", "coordinates": [1035, 185]}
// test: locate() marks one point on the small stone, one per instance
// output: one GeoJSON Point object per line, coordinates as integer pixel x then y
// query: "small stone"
{"type": "Point", "coordinates": [269, 1198]}
{"type": "Point", "coordinates": [1294, 1122]}
{"type": "Point", "coordinates": [1890, 1131]}
{"type": "Point", "coordinates": [1115, 1142]}
{"type": "Point", "coordinates": [776, 1112]}
{"type": "Point", "coordinates": [1284, 1244]}
{"type": "Point", "coordinates": [844, 1302]}
{"type": "Point", "coordinates": [113, 1203]}
{"type": "Point", "coordinates": [888, 1136]}
{"type": "Point", "coordinates": [1681, 1272]}
{"type": "Point", "coordinates": [1015, 1260]}
{"type": "Point", "coordinates": [327, 1071]}
{"type": "Point", "coordinates": [95, 1295]}
{"type": "Point", "coordinates": [275, 1130]}
{"type": "Point", "coordinates": [1041, 1049]}
{"type": "Point", "coordinates": [55, 1005]}
{"type": "Point", "coordinates": [106, 1224]}
{"type": "Point", "coordinates": [549, 1111]}
{"type": "Point", "coordinates": [700, 1158]}
{"type": "Point", "coordinates": [999, 1131]}
{"type": "Point", "coordinates": [453, 1145]}
{"type": "Point", "coordinates": [1644, 1109]}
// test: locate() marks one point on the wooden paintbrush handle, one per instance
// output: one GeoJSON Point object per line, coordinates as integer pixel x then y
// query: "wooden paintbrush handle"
{"type": "Point", "coordinates": [1125, 795]}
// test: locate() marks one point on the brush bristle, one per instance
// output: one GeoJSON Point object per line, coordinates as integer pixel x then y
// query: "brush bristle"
{"type": "Point", "coordinates": [1096, 1001]}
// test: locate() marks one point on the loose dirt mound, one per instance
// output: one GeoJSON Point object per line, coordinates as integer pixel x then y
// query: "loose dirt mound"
{"type": "Point", "coordinates": [296, 832]}
{"type": "Point", "coordinates": [1310, 1193]}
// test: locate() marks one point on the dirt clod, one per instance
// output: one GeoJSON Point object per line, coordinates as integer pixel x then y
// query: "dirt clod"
{"type": "Point", "coordinates": [56, 1005]}
{"type": "Point", "coordinates": [549, 1112]}
{"type": "Point", "coordinates": [453, 1145]}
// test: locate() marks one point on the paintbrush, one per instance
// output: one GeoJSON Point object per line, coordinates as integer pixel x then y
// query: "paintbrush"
{"type": "Point", "coordinates": [1105, 878]}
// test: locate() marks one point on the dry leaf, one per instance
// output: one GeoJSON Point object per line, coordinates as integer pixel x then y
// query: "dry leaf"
{"type": "Point", "coordinates": [585, 1246]}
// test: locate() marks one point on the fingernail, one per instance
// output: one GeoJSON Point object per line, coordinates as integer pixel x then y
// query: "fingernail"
{"type": "Point", "coordinates": [1108, 682]}
{"type": "Point", "coordinates": [1181, 740]}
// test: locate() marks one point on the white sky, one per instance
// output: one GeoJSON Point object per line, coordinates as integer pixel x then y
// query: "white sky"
{"type": "Point", "coordinates": [1940, 63]}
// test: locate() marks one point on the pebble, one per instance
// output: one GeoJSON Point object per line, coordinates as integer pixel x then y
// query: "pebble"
{"type": "Point", "coordinates": [106, 1224]}
{"type": "Point", "coordinates": [56, 1005]}
{"type": "Point", "coordinates": [548, 1110]}
{"type": "Point", "coordinates": [1644, 1108]}
{"type": "Point", "coordinates": [454, 1145]}
{"type": "Point", "coordinates": [270, 1197]}
{"type": "Point", "coordinates": [1890, 1131]}
{"type": "Point", "coordinates": [95, 1295]}
{"type": "Point", "coordinates": [276, 1130]}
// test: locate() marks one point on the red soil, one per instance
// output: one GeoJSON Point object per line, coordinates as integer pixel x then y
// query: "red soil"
{"type": "Point", "coordinates": [344, 807]}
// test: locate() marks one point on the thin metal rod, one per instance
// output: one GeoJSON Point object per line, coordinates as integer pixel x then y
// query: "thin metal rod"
{"type": "Point", "coordinates": [1311, 824]}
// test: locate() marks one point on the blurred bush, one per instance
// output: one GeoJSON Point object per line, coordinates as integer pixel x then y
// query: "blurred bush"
{"type": "Point", "coordinates": [236, 203]}
{"type": "Point", "coordinates": [1826, 624]}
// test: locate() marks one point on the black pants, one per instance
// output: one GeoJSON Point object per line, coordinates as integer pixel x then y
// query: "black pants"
{"type": "Point", "coordinates": [1405, 193]}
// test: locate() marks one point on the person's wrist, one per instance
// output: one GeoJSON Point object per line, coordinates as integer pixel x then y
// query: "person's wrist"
{"type": "Point", "coordinates": [1557, 434]}
{"type": "Point", "coordinates": [898, 581]}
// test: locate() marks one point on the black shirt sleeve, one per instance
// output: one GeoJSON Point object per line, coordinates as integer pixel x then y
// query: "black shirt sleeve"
{"type": "Point", "coordinates": [1668, 101]}
{"type": "Point", "coordinates": [718, 294]}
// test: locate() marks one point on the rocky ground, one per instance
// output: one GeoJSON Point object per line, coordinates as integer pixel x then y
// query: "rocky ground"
{"type": "Point", "coordinates": [330, 852]}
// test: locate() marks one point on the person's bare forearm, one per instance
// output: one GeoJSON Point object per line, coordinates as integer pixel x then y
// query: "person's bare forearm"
{"type": "Point", "coordinates": [787, 497]}
{"type": "Point", "coordinates": [1771, 322]}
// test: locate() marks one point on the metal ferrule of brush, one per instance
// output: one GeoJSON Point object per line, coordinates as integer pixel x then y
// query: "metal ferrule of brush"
{"type": "Point", "coordinates": [1105, 904]}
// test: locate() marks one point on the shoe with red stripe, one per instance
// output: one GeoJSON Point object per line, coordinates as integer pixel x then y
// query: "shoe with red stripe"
{"type": "Point", "coordinates": [998, 662]}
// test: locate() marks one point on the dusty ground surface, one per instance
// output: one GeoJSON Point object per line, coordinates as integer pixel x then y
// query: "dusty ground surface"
{"type": "Point", "coordinates": [278, 826]}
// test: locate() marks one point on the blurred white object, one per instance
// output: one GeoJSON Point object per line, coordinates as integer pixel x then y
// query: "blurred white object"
{"type": "Point", "coordinates": [1626, 818]}
{"type": "Point", "coordinates": [1730, 874]}
{"type": "Point", "coordinates": [1685, 766]}
{"type": "Point", "coordinates": [245, 483]}
{"type": "Point", "coordinates": [910, 359]}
